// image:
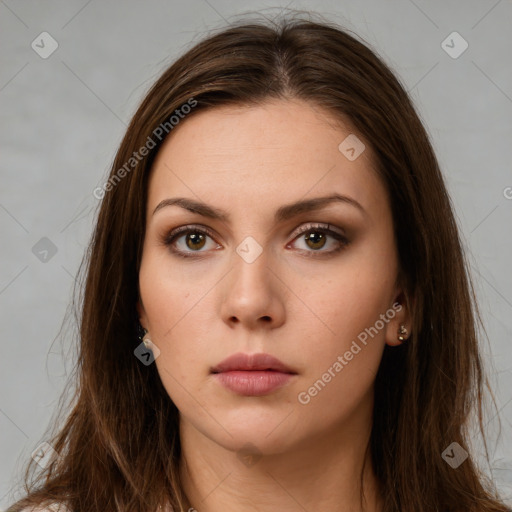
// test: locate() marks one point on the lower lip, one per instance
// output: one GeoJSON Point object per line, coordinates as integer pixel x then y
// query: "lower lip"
{"type": "Point", "coordinates": [253, 383]}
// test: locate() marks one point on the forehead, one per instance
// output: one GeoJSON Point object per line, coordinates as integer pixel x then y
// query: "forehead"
{"type": "Point", "coordinates": [277, 151]}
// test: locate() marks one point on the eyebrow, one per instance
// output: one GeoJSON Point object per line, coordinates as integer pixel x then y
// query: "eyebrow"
{"type": "Point", "coordinates": [283, 213]}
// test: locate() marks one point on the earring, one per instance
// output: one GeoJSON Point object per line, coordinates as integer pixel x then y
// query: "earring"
{"type": "Point", "coordinates": [141, 335]}
{"type": "Point", "coordinates": [402, 333]}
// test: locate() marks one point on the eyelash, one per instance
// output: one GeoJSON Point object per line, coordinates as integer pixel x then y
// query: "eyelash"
{"type": "Point", "coordinates": [169, 239]}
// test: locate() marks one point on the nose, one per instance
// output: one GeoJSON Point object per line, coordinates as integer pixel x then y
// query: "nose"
{"type": "Point", "coordinates": [253, 294]}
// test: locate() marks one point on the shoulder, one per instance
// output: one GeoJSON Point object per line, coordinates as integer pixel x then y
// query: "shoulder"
{"type": "Point", "coordinates": [54, 507]}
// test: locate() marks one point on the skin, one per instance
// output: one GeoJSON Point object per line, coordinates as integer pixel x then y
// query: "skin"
{"type": "Point", "coordinates": [295, 302]}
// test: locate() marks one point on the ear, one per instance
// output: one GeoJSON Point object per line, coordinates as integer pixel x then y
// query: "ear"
{"type": "Point", "coordinates": [141, 312]}
{"type": "Point", "coordinates": [402, 308]}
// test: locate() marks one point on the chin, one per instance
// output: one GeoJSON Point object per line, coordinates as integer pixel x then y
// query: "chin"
{"type": "Point", "coordinates": [246, 429]}
{"type": "Point", "coordinates": [256, 441]}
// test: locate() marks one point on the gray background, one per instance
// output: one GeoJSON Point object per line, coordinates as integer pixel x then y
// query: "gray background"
{"type": "Point", "coordinates": [64, 116]}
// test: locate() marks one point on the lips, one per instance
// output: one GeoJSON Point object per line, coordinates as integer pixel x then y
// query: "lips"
{"type": "Point", "coordinates": [251, 362]}
{"type": "Point", "coordinates": [252, 374]}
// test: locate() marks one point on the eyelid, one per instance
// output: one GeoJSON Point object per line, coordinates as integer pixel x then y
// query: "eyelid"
{"type": "Point", "coordinates": [316, 225]}
{"type": "Point", "coordinates": [189, 227]}
{"type": "Point", "coordinates": [335, 232]}
{"type": "Point", "coordinates": [295, 233]}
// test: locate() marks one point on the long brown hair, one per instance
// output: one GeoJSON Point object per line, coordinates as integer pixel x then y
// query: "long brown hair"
{"type": "Point", "coordinates": [119, 447]}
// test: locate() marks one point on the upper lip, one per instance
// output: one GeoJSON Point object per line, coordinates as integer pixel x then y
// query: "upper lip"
{"type": "Point", "coordinates": [251, 362]}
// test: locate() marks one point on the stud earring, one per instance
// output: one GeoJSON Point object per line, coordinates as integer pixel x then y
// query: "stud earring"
{"type": "Point", "coordinates": [402, 333]}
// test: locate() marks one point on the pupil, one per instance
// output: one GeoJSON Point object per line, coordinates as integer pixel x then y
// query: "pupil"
{"type": "Point", "coordinates": [316, 238]}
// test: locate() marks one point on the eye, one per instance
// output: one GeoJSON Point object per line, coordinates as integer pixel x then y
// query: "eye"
{"type": "Point", "coordinates": [187, 240]}
{"type": "Point", "coordinates": [317, 237]}
{"type": "Point", "coordinates": [194, 238]}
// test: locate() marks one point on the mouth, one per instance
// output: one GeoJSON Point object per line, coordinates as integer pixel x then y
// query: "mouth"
{"type": "Point", "coordinates": [252, 374]}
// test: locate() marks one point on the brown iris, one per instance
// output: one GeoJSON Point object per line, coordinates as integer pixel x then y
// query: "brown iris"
{"type": "Point", "coordinates": [197, 240]}
{"type": "Point", "coordinates": [317, 239]}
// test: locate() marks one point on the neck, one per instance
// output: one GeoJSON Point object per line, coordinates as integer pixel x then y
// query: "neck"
{"type": "Point", "coordinates": [323, 473]}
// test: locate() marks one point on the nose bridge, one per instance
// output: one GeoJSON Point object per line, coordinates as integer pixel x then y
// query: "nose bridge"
{"type": "Point", "coordinates": [252, 291]}
{"type": "Point", "coordinates": [250, 273]}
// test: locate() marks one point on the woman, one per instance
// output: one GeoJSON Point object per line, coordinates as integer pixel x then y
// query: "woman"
{"type": "Point", "coordinates": [277, 313]}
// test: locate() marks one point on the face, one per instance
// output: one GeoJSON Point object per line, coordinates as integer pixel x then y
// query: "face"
{"type": "Point", "coordinates": [263, 266]}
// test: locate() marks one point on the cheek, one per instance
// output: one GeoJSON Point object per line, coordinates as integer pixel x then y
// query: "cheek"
{"type": "Point", "coordinates": [349, 299]}
{"type": "Point", "coordinates": [343, 345]}
{"type": "Point", "coordinates": [170, 293]}
{"type": "Point", "coordinates": [176, 307]}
